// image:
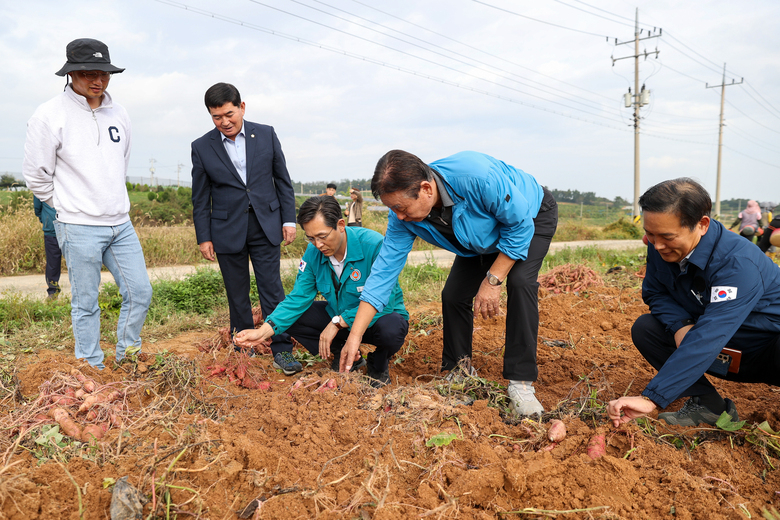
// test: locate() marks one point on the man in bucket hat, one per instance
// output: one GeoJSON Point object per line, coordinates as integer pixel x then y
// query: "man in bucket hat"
{"type": "Point", "coordinates": [75, 159]}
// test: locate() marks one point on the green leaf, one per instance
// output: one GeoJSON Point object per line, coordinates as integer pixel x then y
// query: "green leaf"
{"type": "Point", "coordinates": [108, 482]}
{"type": "Point", "coordinates": [441, 439]}
{"type": "Point", "coordinates": [764, 427]}
{"type": "Point", "coordinates": [724, 422]}
{"type": "Point", "coordinates": [50, 433]}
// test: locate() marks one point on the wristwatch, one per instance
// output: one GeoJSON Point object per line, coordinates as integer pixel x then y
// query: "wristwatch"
{"type": "Point", "coordinates": [336, 320]}
{"type": "Point", "coordinates": [493, 279]}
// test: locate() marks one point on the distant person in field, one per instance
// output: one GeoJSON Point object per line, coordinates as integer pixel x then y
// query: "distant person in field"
{"type": "Point", "coordinates": [499, 221]}
{"type": "Point", "coordinates": [336, 265]}
{"type": "Point", "coordinates": [330, 190]}
{"type": "Point", "coordinates": [75, 160]}
{"type": "Point", "coordinates": [243, 207]}
{"type": "Point", "coordinates": [354, 212]}
{"type": "Point", "coordinates": [46, 214]}
{"type": "Point", "coordinates": [771, 236]}
{"type": "Point", "coordinates": [748, 220]}
{"type": "Point", "coordinates": [714, 309]}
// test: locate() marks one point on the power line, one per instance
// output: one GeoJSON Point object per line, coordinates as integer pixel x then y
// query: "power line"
{"type": "Point", "coordinates": [762, 97]}
{"type": "Point", "coordinates": [587, 103]}
{"type": "Point", "coordinates": [756, 122]}
{"type": "Point", "coordinates": [752, 139]}
{"type": "Point", "coordinates": [540, 21]}
{"type": "Point", "coordinates": [431, 61]}
{"type": "Point", "coordinates": [751, 157]}
{"type": "Point", "coordinates": [374, 61]}
{"type": "Point", "coordinates": [594, 14]}
{"type": "Point", "coordinates": [481, 51]}
{"type": "Point", "coordinates": [761, 104]}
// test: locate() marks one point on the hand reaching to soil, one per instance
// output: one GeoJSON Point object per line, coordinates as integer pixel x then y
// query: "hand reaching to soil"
{"type": "Point", "coordinates": [486, 303]}
{"type": "Point", "coordinates": [622, 410]}
{"type": "Point", "coordinates": [253, 337]}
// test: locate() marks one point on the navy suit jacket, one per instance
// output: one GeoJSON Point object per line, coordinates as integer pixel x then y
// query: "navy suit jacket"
{"type": "Point", "coordinates": [220, 199]}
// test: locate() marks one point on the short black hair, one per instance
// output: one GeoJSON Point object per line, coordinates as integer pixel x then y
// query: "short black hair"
{"type": "Point", "coordinates": [684, 197]}
{"type": "Point", "coordinates": [402, 171]}
{"type": "Point", "coordinates": [221, 94]}
{"type": "Point", "coordinates": [324, 205]}
{"type": "Point", "coordinates": [331, 185]}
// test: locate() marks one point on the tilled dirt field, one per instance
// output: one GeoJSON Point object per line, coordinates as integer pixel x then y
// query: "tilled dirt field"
{"type": "Point", "coordinates": [199, 446]}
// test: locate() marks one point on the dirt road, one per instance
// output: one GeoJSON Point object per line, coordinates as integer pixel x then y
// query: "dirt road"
{"type": "Point", "coordinates": [34, 285]}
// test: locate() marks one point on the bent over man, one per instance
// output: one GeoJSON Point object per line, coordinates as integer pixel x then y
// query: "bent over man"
{"type": "Point", "coordinates": [75, 160]}
{"type": "Point", "coordinates": [714, 303]}
{"type": "Point", "coordinates": [499, 221]}
{"type": "Point", "coordinates": [336, 264]}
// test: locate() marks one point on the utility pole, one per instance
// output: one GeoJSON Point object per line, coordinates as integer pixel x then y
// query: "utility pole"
{"type": "Point", "coordinates": [722, 86]}
{"type": "Point", "coordinates": [178, 171]}
{"type": "Point", "coordinates": [639, 98]}
{"type": "Point", "coordinates": [151, 172]}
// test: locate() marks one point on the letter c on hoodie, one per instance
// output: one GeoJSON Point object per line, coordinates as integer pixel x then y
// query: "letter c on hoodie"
{"type": "Point", "coordinates": [111, 130]}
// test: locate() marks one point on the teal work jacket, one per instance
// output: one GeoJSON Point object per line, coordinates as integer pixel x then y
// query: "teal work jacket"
{"type": "Point", "coordinates": [316, 274]}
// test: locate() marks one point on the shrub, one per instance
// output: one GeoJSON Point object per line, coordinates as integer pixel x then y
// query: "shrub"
{"type": "Point", "coordinates": [623, 229]}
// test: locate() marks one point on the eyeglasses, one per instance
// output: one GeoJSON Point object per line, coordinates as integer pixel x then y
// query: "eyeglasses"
{"type": "Point", "coordinates": [92, 76]}
{"type": "Point", "coordinates": [321, 238]}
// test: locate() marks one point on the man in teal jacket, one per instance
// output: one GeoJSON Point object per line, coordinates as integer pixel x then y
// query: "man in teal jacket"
{"type": "Point", "coordinates": [46, 214]}
{"type": "Point", "coordinates": [337, 265]}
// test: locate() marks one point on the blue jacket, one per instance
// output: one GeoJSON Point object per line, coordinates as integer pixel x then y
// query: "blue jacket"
{"type": "Point", "coordinates": [315, 274]}
{"type": "Point", "coordinates": [729, 288]}
{"type": "Point", "coordinates": [46, 214]}
{"type": "Point", "coordinates": [495, 205]}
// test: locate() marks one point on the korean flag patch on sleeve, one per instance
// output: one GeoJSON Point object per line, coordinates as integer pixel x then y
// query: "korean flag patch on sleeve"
{"type": "Point", "coordinates": [723, 294]}
{"type": "Point", "coordinates": [302, 266]}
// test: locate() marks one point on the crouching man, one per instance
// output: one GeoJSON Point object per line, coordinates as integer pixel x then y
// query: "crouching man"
{"type": "Point", "coordinates": [336, 264]}
{"type": "Point", "coordinates": [714, 303]}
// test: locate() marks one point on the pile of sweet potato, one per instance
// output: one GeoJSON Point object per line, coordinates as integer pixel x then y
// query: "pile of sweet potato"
{"type": "Point", "coordinates": [569, 278]}
{"type": "Point", "coordinates": [83, 409]}
{"type": "Point", "coordinates": [224, 338]}
{"type": "Point", "coordinates": [238, 368]}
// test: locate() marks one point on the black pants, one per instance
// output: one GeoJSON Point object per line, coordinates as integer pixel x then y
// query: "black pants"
{"type": "Point", "coordinates": [235, 273]}
{"type": "Point", "coordinates": [522, 314]}
{"type": "Point", "coordinates": [760, 361]}
{"type": "Point", "coordinates": [53, 264]}
{"type": "Point", "coordinates": [387, 334]}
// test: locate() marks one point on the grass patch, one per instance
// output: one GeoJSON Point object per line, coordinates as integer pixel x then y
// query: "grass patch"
{"type": "Point", "coordinates": [596, 258]}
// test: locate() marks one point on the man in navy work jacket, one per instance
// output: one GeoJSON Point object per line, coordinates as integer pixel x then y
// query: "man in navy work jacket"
{"type": "Point", "coordinates": [499, 221]}
{"type": "Point", "coordinates": [336, 264]}
{"type": "Point", "coordinates": [243, 206]}
{"type": "Point", "coordinates": [708, 290]}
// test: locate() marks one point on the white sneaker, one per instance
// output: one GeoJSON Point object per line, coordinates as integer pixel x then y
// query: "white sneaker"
{"type": "Point", "coordinates": [522, 395]}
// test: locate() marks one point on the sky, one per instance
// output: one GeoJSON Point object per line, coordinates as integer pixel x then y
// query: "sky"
{"type": "Point", "coordinates": [532, 83]}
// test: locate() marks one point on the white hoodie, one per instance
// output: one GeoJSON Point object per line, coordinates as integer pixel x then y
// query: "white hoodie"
{"type": "Point", "coordinates": [78, 157]}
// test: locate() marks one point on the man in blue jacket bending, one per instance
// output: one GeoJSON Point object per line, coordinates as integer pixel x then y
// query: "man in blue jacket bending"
{"type": "Point", "coordinates": [337, 265]}
{"type": "Point", "coordinates": [714, 303]}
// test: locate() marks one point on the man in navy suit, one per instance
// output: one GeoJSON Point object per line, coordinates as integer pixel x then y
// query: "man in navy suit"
{"type": "Point", "coordinates": [243, 206]}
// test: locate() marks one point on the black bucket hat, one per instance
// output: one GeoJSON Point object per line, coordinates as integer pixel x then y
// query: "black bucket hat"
{"type": "Point", "coordinates": [87, 54]}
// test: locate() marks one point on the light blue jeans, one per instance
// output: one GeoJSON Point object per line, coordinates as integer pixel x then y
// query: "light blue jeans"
{"type": "Point", "coordinates": [86, 250]}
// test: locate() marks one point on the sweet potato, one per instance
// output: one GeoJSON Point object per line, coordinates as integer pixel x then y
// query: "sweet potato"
{"type": "Point", "coordinates": [87, 384]}
{"type": "Point", "coordinates": [80, 393]}
{"type": "Point", "coordinates": [63, 400]}
{"type": "Point", "coordinates": [92, 431]}
{"type": "Point", "coordinates": [67, 425]}
{"type": "Point", "coordinates": [216, 370]}
{"type": "Point", "coordinates": [557, 431]}
{"type": "Point", "coordinates": [329, 384]}
{"type": "Point", "coordinates": [597, 447]}
{"type": "Point", "coordinates": [102, 397]}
